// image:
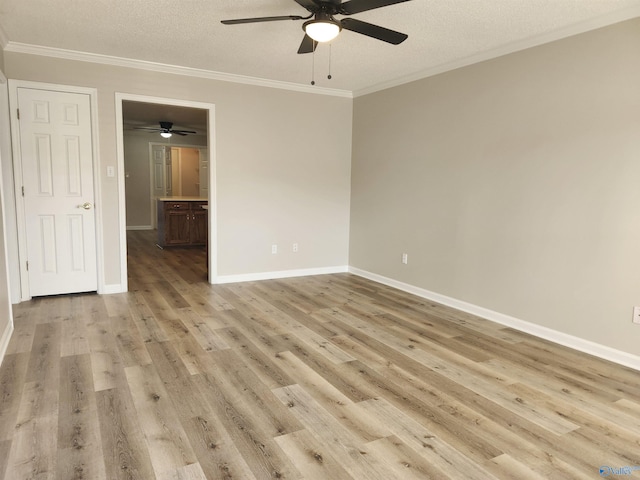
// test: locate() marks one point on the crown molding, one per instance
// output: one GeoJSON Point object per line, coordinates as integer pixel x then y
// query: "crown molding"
{"type": "Point", "coordinates": [16, 47]}
{"type": "Point", "coordinates": [575, 29]}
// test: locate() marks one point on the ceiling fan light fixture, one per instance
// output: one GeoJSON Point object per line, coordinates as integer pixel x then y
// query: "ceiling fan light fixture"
{"type": "Point", "coordinates": [165, 134]}
{"type": "Point", "coordinates": [323, 28]}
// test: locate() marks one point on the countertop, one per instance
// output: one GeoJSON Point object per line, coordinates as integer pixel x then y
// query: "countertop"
{"type": "Point", "coordinates": [183, 199]}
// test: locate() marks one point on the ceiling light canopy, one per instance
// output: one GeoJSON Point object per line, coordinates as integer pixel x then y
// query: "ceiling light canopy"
{"type": "Point", "coordinates": [323, 28]}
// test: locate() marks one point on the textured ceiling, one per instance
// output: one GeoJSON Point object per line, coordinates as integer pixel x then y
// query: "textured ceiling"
{"type": "Point", "coordinates": [442, 34]}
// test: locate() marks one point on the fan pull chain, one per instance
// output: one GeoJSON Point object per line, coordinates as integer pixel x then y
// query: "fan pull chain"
{"type": "Point", "coordinates": [313, 65]}
{"type": "Point", "coordinates": [329, 76]}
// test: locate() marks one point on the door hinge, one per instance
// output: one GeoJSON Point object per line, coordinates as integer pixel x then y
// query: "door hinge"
{"type": "Point", "coordinates": [18, 110]}
{"type": "Point", "coordinates": [23, 190]}
{"type": "Point", "coordinates": [27, 265]}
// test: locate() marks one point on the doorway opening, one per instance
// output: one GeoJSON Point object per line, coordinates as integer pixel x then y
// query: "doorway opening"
{"type": "Point", "coordinates": [176, 171]}
{"type": "Point", "coordinates": [141, 185]}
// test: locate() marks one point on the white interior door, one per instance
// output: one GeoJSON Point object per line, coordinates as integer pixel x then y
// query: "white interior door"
{"type": "Point", "coordinates": [161, 177]}
{"type": "Point", "coordinates": [157, 170]}
{"type": "Point", "coordinates": [57, 174]}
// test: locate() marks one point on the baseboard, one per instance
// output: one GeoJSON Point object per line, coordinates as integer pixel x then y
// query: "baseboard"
{"type": "Point", "coordinates": [303, 272]}
{"type": "Point", "coordinates": [110, 289]}
{"type": "Point", "coordinates": [577, 343]}
{"type": "Point", "coordinates": [139, 227]}
{"type": "Point", "coordinates": [4, 340]}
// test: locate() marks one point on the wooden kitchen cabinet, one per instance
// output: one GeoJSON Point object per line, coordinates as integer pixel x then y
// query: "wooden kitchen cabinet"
{"type": "Point", "coordinates": [182, 223]}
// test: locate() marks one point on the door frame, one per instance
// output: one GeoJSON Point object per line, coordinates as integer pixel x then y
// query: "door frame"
{"type": "Point", "coordinates": [25, 294]}
{"type": "Point", "coordinates": [212, 212]}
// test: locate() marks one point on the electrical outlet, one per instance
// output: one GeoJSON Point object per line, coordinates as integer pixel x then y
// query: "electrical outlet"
{"type": "Point", "coordinates": [636, 315]}
{"type": "Point", "coordinates": [295, 248]}
{"type": "Point", "coordinates": [405, 258]}
{"type": "Point", "coordinates": [274, 248]}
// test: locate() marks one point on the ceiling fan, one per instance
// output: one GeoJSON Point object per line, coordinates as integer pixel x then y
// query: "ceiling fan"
{"type": "Point", "coordinates": [166, 130]}
{"type": "Point", "coordinates": [323, 27]}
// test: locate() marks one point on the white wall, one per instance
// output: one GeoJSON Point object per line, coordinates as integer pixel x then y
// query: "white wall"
{"type": "Point", "coordinates": [512, 185]}
{"type": "Point", "coordinates": [283, 163]}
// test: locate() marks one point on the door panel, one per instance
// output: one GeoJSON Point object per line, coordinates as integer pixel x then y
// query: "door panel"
{"type": "Point", "coordinates": [47, 234]}
{"type": "Point", "coordinates": [178, 227]}
{"type": "Point", "coordinates": [157, 152]}
{"type": "Point", "coordinates": [57, 172]}
{"type": "Point", "coordinates": [157, 180]}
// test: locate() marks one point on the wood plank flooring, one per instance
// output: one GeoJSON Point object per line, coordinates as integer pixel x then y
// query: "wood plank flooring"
{"type": "Point", "coordinates": [324, 377]}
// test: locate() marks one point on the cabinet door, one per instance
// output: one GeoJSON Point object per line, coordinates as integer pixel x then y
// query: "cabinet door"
{"type": "Point", "coordinates": [177, 224]}
{"type": "Point", "coordinates": [198, 225]}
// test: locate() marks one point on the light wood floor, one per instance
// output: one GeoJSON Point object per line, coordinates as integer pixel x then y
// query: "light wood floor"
{"type": "Point", "coordinates": [325, 377]}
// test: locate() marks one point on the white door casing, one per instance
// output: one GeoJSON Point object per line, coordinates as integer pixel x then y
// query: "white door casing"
{"type": "Point", "coordinates": [212, 212]}
{"type": "Point", "coordinates": [56, 163]}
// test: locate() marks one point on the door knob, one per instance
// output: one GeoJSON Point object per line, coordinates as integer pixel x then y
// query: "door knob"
{"type": "Point", "coordinates": [85, 205]}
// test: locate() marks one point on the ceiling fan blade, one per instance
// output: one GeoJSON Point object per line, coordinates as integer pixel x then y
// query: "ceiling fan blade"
{"type": "Point", "coordinates": [357, 6]}
{"type": "Point", "coordinates": [373, 31]}
{"type": "Point", "coordinates": [183, 132]}
{"type": "Point", "coordinates": [308, 45]}
{"type": "Point", "coordinates": [150, 129]}
{"type": "Point", "coordinates": [308, 4]}
{"type": "Point", "coordinates": [262, 19]}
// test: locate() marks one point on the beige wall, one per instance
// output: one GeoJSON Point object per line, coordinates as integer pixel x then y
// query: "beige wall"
{"type": "Point", "coordinates": [512, 184]}
{"type": "Point", "coordinates": [283, 162]}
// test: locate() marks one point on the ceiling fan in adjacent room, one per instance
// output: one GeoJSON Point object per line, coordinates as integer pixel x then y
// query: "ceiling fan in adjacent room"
{"type": "Point", "coordinates": [321, 26]}
{"type": "Point", "coordinates": [166, 130]}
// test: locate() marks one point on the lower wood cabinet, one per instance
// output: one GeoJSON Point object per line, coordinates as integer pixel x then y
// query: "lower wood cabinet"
{"type": "Point", "coordinates": [182, 223]}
